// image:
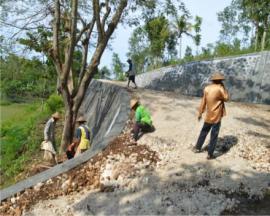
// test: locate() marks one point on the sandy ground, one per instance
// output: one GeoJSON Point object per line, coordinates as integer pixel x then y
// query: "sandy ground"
{"type": "Point", "coordinates": [183, 182]}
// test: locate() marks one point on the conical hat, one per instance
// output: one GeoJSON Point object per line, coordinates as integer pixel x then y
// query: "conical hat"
{"type": "Point", "coordinates": [217, 76]}
{"type": "Point", "coordinates": [81, 119]}
{"type": "Point", "coordinates": [133, 102]}
{"type": "Point", "coordinates": [56, 115]}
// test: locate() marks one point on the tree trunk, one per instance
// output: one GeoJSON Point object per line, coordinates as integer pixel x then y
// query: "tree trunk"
{"type": "Point", "coordinates": [256, 36]}
{"type": "Point", "coordinates": [68, 130]}
{"type": "Point", "coordinates": [263, 39]}
{"type": "Point", "coordinates": [180, 48]}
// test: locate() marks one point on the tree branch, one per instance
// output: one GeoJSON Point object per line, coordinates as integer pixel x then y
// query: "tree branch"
{"type": "Point", "coordinates": [85, 51]}
{"type": "Point", "coordinates": [92, 68]}
{"type": "Point", "coordinates": [70, 50]}
{"type": "Point", "coordinates": [106, 15]}
{"type": "Point", "coordinates": [56, 26]}
{"type": "Point", "coordinates": [96, 9]}
{"type": "Point", "coordinates": [116, 18]}
{"type": "Point", "coordinates": [89, 26]}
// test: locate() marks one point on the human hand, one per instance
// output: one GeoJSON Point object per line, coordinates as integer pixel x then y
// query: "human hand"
{"type": "Point", "coordinates": [199, 118]}
{"type": "Point", "coordinates": [222, 84]}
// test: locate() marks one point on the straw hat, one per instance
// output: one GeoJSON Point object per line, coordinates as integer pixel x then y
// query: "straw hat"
{"type": "Point", "coordinates": [81, 119]}
{"type": "Point", "coordinates": [56, 115]}
{"type": "Point", "coordinates": [133, 102]}
{"type": "Point", "coordinates": [217, 76]}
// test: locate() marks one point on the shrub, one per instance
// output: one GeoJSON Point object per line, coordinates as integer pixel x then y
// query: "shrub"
{"type": "Point", "coordinates": [54, 103]}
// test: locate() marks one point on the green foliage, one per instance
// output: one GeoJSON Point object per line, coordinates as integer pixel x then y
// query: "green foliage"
{"type": "Point", "coordinates": [25, 78]}
{"type": "Point", "coordinates": [188, 54]}
{"type": "Point", "coordinates": [154, 43]}
{"type": "Point", "coordinates": [20, 138]}
{"type": "Point", "coordinates": [158, 34]}
{"type": "Point", "coordinates": [39, 40]}
{"type": "Point", "coordinates": [240, 17]}
{"type": "Point", "coordinates": [54, 103]}
{"type": "Point", "coordinates": [103, 73]}
{"type": "Point", "coordinates": [139, 48]}
{"type": "Point", "coordinates": [118, 67]}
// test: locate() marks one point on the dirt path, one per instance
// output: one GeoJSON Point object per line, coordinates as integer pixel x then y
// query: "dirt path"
{"type": "Point", "coordinates": [181, 182]}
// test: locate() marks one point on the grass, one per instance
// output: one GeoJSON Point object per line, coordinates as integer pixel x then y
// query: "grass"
{"type": "Point", "coordinates": [13, 111]}
{"type": "Point", "coordinates": [21, 134]}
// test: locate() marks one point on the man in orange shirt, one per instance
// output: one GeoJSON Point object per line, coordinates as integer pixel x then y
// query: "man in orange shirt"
{"type": "Point", "coordinates": [214, 96]}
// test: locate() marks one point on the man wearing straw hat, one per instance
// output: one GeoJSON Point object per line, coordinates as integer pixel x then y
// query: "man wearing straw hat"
{"type": "Point", "coordinates": [49, 144]}
{"type": "Point", "coordinates": [82, 137]}
{"type": "Point", "coordinates": [143, 119]}
{"type": "Point", "coordinates": [214, 96]}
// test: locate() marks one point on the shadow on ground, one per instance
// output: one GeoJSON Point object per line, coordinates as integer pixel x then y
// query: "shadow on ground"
{"type": "Point", "coordinates": [255, 122]}
{"type": "Point", "coordinates": [224, 144]}
{"type": "Point", "coordinates": [191, 189]}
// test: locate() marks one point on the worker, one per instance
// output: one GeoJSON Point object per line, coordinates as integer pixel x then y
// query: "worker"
{"type": "Point", "coordinates": [83, 137]}
{"type": "Point", "coordinates": [49, 144]}
{"type": "Point", "coordinates": [213, 99]}
{"type": "Point", "coordinates": [131, 73]}
{"type": "Point", "coordinates": [143, 122]}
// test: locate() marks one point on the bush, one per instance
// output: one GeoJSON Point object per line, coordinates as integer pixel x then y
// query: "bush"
{"type": "Point", "coordinates": [54, 103]}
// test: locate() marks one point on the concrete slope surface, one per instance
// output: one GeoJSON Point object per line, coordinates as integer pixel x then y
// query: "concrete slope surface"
{"type": "Point", "coordinates": [247, 77]}
{"type": "Point", "coordinates": [182, 182]}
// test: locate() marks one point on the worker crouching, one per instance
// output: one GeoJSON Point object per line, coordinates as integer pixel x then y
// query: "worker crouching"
{"type": "Point", "coordinates": [82, 141]}
{"type": "Point", "coordinates": [143, 121]}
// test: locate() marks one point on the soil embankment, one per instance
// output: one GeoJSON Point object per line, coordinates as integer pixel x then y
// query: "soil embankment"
{"type": "Point", "coordinates": [106, 108]}
{"type": "Point", "coordinates": [166, 177]}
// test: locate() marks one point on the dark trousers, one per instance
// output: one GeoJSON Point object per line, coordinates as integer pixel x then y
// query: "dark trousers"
{"type": "Point", "coordinates": [213, 139]}
{"type": "Point", "coordinates": [132, 79]}
{"type": "Point", "coordinates": [141, 127]}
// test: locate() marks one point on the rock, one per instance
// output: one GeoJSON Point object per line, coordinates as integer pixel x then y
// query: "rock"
{"type": "Point", "coordinates": [38, 186]}
{"type": "Point", "coordinates": [18, 212]}
{"type": "Point", "coordinates": [13, 200]}
{"type": "Point", "coordinates": [65, 186]}
{"type": "Point", "coordinates": [49, 181]}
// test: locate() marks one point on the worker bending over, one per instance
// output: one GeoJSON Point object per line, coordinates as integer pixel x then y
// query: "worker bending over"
{"type": "Point", "coordinates": [82, 141]}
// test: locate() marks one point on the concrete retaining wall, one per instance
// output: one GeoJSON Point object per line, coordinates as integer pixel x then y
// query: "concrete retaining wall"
{"type": "Point", "coordinates": [106, 107]}
{"type": "Point", "coordinates": [247, 77]}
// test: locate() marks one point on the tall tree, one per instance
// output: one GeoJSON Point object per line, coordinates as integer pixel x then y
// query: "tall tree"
{"type": "Point", "coordinates": [139, 48]}
{"type": "Point", "coordinates": [197, 28]}
{"type": "Point", "coordinates": [241, 16]}
{"type": "Point", "coordinates": [258, 12]}
{"type": "Point", "coordinates": [117, 67]}
{"type": "Point", "coordinates": [74, 24]}
{"type": "Point", "coordinates": [183, 25]}
{"type": "Point", "coordinates": [158, 34]}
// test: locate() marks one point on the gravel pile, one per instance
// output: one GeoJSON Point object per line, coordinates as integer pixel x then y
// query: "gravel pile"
{"type": "Point", "coordinates": [110, 169]}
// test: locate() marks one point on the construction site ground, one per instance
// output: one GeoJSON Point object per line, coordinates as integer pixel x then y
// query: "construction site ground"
{"type": "Point", "coordinates": [160, 174]}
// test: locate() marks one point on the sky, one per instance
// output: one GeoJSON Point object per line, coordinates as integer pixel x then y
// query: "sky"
{"type": "Point", "coordinates": [207, 9]}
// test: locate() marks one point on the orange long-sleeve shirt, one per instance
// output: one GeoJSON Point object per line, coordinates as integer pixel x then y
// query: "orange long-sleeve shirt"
{"type": "Point", "coordinates": [214, 96]}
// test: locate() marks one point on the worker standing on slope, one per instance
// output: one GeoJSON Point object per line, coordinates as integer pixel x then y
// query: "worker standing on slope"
{"type": "Point", "coordinates": [49, 144]}
{"type": "Point", "coordinates": [214, 96]}
{"type": "Point", "coordinates": [131, 73]}
{"type": "Point", "coordinates": [143, 122]}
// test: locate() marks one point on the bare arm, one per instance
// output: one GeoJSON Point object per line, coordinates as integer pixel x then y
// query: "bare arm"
{"type": "Point", "coordinates": [46, 131]}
